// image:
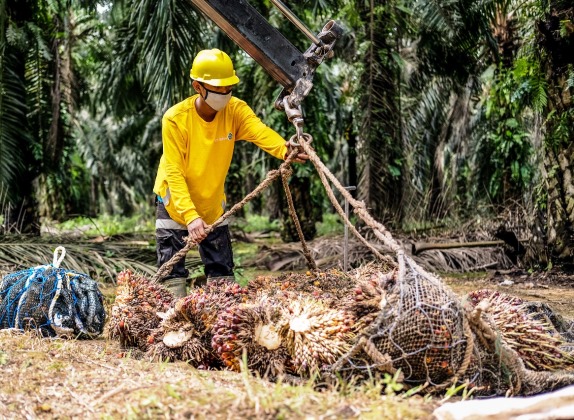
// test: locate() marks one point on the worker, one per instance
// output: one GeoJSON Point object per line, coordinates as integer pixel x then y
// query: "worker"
{"type": "Point", "coordinates": [199, 135]}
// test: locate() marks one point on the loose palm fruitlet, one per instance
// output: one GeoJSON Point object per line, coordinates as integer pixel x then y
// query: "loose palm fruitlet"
{"type": "Point", "coordinates": [135, 310]}
{"type": "Point", "coordinates": [329, 286]}
{"type": "Point", "coordinates": [253, 329]}
{"type": "Point", "coordinates": [316, 335]}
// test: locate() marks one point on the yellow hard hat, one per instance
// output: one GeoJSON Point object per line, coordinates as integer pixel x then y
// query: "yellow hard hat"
{"type": "Point", "coordinates": [213, 67]}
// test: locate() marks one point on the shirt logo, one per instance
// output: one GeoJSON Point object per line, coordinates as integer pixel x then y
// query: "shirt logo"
{"type": "Point", "coordinates": [228, 138]}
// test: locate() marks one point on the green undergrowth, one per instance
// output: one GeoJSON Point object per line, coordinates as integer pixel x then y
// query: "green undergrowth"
{"type": "Point", "coordinates": [104, 225]}
{"type": "Point", "coordinates": [109, 225]}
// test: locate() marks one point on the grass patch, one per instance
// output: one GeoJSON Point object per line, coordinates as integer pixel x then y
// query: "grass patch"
{"type": "Point", "coordinates": [105, 225]}
{"type": "Point", "coordinates": [331, 225]}
{"type": "Point", "coordinates": [257, 223]}
{"type": "Point", "coordinates": [95, 383]}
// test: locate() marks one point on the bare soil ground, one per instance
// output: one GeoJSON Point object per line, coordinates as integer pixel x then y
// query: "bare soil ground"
{"type": "Point", "coordinates": [45, 378]}
{"type": "Point", "coordinates": [553, 287]}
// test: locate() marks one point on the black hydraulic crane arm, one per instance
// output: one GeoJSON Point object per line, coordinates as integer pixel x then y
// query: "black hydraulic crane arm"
{"type": "Point", "coordinates": [268, 47]}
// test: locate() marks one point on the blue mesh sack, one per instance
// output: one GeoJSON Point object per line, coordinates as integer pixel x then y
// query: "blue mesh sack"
{"type": "Point", "coordinates": [52, 300]}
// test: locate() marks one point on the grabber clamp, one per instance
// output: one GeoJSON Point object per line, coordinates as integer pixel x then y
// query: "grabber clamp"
{"type": "Point", "coordinates": [295, 116]}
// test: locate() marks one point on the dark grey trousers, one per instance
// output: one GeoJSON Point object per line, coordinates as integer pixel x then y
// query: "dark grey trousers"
{"type": "Point", "coordinates": [215, 250]}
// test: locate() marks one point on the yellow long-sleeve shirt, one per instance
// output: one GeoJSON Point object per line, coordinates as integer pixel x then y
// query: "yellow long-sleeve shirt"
{"type": "Point", "coordinates": [197, 154]}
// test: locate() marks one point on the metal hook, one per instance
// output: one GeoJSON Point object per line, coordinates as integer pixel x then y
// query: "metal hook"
{"type": "Point", "coordinates": [296, 143]}
{"type": "Point", "coordinates": [291, 111]}
{"type": "Point", "coordinates": [298, 123]}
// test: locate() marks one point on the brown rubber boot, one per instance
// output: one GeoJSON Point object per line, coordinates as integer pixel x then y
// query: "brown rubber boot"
{"type": "Point", "coordinates": [177, 286]}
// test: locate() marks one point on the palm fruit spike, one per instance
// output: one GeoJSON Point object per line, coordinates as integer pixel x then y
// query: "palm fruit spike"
{"type": "Point", "coordinates": [315, 334]}
{"type": "Point", "coordinates": [260, 284]}
{"type": "Point", "coordinates": [531, 338]}
{"type": "Point", "coordinates": [134, 313]}
{"type": "Point", "coordinates": [476, 296]}
{"type": "Point", "coordinates": [372, 269]}
{"type": "Point", "coordinates": [253, 329]}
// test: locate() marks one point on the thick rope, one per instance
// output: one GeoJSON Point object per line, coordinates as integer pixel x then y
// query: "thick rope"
{"type": "Point", "coordinates": [382, 362]}
{"type": "Point", "coordinates": [306, 251]}
{"type": "Point", "coordinates": [272, 175]}
{"type": "Point", "coordinates": [359, 207]}
{"type": "Point", "coordinates": [338, 207]}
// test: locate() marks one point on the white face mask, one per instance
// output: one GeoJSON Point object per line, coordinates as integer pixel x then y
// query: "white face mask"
{"type": "Point", "coordinates": [217, 101]}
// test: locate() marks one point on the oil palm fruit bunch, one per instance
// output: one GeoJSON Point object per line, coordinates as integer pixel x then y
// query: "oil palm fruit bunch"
{"type": "Point", "coordinates": [176, 338]}
{"type": "Point", "coordinates": [536, 342]}
{"type": "Point", "coordinates": [316, 335]}
{"type": "Point", "coordinates": [368, 297]}
{"type": "Point", "coordinates": [135, 310]}
{"type": "Point", "coordinates": [253, 329]}
{"type": "Point", "coordinates": [202, 305]}
{"type": "Point", "coordinates": [185, 331]}
{"type": "Point", "coordinates": [223, 286]}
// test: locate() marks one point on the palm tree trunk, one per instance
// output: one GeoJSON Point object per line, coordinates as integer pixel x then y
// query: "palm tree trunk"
{"type": "Point", "coordinates": [558, 42]}
{"type": "Point", "coordinates": [380, 180]}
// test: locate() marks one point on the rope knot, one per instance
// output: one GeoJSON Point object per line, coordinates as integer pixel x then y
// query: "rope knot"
{"type": "Point", "coordinates": [286, 171]}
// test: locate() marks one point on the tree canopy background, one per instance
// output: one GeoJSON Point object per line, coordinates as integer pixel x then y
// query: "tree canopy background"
{"type": "Point", "coordinates": [438, 111]}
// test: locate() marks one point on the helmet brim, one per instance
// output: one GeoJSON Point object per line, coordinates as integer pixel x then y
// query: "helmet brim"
{"type": "Point", "coordinates": [228, 81]}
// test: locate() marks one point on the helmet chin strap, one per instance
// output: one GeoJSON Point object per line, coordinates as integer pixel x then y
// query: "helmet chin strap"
{"type": "Point", "coordinates": [206, 93]}
{"type": "Point", "coordinates": [204, 98]}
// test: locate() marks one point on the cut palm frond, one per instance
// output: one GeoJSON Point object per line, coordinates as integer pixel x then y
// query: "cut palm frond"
{"type": "Point", "coordinates": [102, 261]}
{"type": "Point", "coordinates": [328, 253]}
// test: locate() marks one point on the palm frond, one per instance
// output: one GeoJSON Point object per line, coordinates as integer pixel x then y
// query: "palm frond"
{"type": "Point", "coordinates": [154, 47]}
{"type": "Point", "coordinates": [102, 261]}
{"type": "Point", "coordinates": [440, 98]}
{"type": "Point", "coordinates": [112, 152]}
